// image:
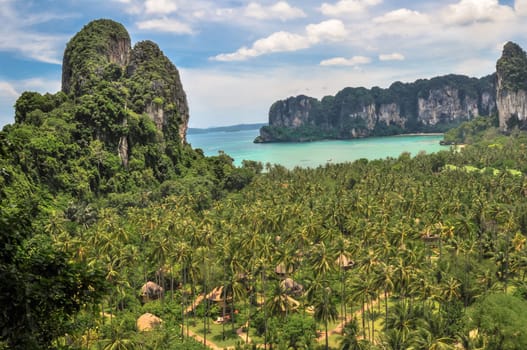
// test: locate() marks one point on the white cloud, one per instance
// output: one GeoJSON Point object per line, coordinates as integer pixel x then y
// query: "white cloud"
{"type": "Point", "coordinates": [168, 25]}
{"type": "Point", "coordinates": [281, 10]}
{"type": "Point", "coordinates": [160, 6]}
{"type": "Point", "coordinates": [7, 90]}
{"type": "Point", "coordinates": [347, 7]}
{"type": "Point", "coordinates": [346, 62]}
{"type": "Point", "coordinates": [520, 6]}
{"type": "Point", "coordinates": [331, 30]}
{"type": "Point", "coordinates": [18, 35]}
{"type": "Point", "coordinates": [403, 15]}
{"type": "Point", "coordinates": [391, 57]}
{"type": "Point", "coordinates": [469, 11]}
{"type": "Point", "coordinates": [276, 42]}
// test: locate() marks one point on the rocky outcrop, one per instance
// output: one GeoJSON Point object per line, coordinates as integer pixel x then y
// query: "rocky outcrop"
{"type": "Point", "coordinates": [422, 106]}
{"type": "Point", "coordinates": [156, 83]}
{"type": "Point", "coordinates": [92, 53]}
{"type": "Point", "coordinates": [511, 91]}
{"type": "Point", "coordinates": [293, 112]}
{"type": "Point", "coordinates": [100, 60]}
{"type": "Point", "coordinates": [445, 106]}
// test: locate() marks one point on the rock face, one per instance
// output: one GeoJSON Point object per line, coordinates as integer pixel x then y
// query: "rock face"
{"type": "Point", "coordinates": [293, 112]}
{"type": "Point", "coordinates": [90, 54]}
{"type": "Point", "coordinates": [140, 81]}
{"type": "Point", "coordinates": [511, 91]}
{"type": "Point", "coordinates": [156, 83]}
{"type": "Point", "coordinates": [422, 106]}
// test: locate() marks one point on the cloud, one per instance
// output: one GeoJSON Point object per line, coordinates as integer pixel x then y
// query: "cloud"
{"type": "Point", "coordinates": [18, 35]}
{"type": "Point", "coordinates": [163, 7]}
{"type": "Point", "coordinates": [391, 57]}
{"type": "Point", "coordinates": [469, 11]}
{"type": "Point", "coordinates": [346, 62]}
{"type": "Point", "coordinates": [520, 6]}
{"type": "Point", "coordinates": [331, 30]}
{"type": "Point", "coordinates": [164, 24]}
{"type": "Point", "coordinates": [281, 10]}
{"type": "Point", "coordinates": [404, 16]}
{"type": "Point", "coordinates": [276, 42]}
{"type": "Point", "coordinates": [347, 7]}
{"type": "Point", "coordinates": [7, 90]}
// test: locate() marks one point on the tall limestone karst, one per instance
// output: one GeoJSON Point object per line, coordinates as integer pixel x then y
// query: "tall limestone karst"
{"type": "Point", "coordinates": [511, 91]}
{"type": "Point", "coordinates": [422, 106]}
{"type": "Point", "coordinates": [138, 81]}
{"type": "Point", "coordinates": [98, 52]}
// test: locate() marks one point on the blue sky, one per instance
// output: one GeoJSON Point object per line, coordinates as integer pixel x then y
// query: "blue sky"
{"type": "Point", "coordinates": [237, 57]}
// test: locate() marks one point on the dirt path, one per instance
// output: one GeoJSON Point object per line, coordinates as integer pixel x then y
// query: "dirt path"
{"type": "Point", "coordinates": [243, 335]}
{"type": "Point", "coordinates": [209, 344]}
{"type": "Point", "coordinates": [338, 329]}
{"type": "Point", "coordinates": [195, 304]}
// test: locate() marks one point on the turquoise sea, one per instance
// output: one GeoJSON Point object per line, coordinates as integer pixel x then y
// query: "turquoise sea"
{"type": "Point", "coordinates": [239, 145]}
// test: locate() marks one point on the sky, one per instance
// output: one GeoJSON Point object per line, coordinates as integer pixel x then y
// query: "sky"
{"type": "Point", "coordinates": [237, 57]}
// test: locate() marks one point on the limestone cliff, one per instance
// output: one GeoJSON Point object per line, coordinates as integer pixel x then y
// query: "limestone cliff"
{"type": "Point", "coordinates": [292, 112]}
{"type": "Point", "coordinates": [100, 65]}
{"type": "Point", "coordinates": [93, 54]}
{"type": "Point", "coordinates": [511, 91]}
{"type": "Point", "coordinates": [154, 81]}
{"type": "Point", "coordinates": [422, 106]}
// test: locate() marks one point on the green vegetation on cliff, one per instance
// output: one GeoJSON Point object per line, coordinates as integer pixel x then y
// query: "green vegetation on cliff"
{"type": "Point", "coordinates": [426, 105]}
{"type": "Point", "coordinates": [98, 52]}
{"type": "Point", "coordinates": [512, 67]}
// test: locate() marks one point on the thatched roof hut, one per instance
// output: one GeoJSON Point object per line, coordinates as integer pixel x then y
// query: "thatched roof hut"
{"type": "Point", "coordinates": [151, 291]}
{"type": "Point", "coordinates": [292, 287]}
{"type": "Point", "coordinates": [282, 271]}
{"type": "Point", "coordinates": [344, 262]}
{"type": "Point", "coordinates": [147, 322]}
{"type": "Point", "coordinates": [216, 295]}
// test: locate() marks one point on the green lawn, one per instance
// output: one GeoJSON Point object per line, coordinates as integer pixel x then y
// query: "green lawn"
{"type": "Point", "coordinates": [215, 333]}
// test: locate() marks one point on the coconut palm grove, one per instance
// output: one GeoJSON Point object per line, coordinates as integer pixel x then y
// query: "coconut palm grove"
{"type": "Point", "coordinates": [116, 234]}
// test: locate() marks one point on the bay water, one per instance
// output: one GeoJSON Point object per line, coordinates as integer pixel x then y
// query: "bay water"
{"type": "Point", "coordinates": [239, 145]}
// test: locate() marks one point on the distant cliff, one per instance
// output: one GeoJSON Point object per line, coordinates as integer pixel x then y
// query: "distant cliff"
{"type": "Point", "coordinates": [511, 94]}
{"type": "Point", "coordinates": [432, 105]}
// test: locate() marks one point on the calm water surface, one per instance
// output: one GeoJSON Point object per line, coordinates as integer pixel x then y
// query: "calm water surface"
{"type": "Point", "coordinates": [239, 145]}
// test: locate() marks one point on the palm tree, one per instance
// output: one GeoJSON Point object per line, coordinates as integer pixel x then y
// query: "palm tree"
{"type": "Point", "coordinates": [280, 303]}
{"type": "Point", "coordinates": [325, 310]}
{"type": "Point", "coordinates": [350, 337]}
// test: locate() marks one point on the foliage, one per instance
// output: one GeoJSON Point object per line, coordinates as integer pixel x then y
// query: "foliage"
{"type": "Point", "coordinates": [501, 319]}
{"type": "Point", "coordinates": [472, 131]}
{"type": "Point", "coordinates": [512, 67]}
{"type": "Point", "coordinates": [86, 60]}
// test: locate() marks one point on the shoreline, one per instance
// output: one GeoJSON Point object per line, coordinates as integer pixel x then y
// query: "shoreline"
{"type": "Point", "coordinates": [422, 134]}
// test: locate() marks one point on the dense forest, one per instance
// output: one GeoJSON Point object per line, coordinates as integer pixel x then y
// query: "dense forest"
{"type": "Point", "coordinates": [173, 250]}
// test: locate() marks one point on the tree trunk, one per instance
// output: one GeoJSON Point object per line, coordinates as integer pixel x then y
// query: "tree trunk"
{"type": "Point", "coordinates": [385, 307]}
{"type": "Point", "coordinates": [327, 335]}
